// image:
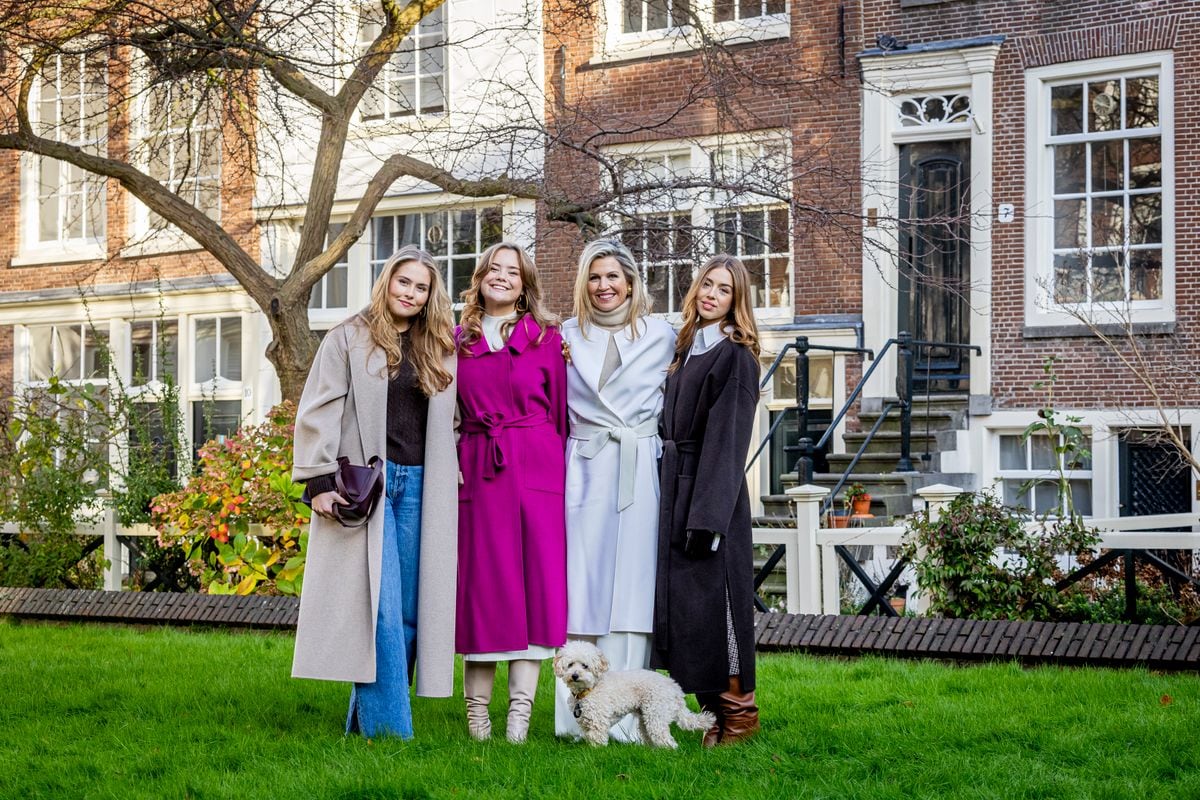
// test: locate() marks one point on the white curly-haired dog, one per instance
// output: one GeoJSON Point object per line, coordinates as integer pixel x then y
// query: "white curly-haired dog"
{"type": "Point", "coordinates": [599, 698]}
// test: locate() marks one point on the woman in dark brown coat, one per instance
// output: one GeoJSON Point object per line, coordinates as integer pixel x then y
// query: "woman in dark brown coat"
{"type": "Point", "coordinates": [704, 602]}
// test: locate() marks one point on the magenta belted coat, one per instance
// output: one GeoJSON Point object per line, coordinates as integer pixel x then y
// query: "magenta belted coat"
{"type": "Point", "coordinates": [512, 560]}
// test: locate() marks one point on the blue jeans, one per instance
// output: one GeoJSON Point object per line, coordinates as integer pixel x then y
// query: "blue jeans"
{"type": "Point", "coordinates": [383, 708]}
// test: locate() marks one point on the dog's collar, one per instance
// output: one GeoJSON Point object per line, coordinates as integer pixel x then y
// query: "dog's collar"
{"type": "Point", "coordinates": [577, 706]}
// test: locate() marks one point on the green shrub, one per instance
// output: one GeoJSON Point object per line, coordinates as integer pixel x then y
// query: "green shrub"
{"type": "Point", "coordinates": [977, 561]}
{"type": "Point", "coordinates": [241, 482]}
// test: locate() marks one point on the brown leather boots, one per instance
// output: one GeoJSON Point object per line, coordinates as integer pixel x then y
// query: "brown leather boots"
{"type": "Point", "coordinates": [736, 713]}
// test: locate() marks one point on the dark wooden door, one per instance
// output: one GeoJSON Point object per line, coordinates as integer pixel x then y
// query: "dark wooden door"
{"type": "Point", "coordinates": [934, 280]}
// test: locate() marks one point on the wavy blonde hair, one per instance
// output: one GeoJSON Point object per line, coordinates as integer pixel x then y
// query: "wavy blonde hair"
{"type": "Point", "coordinates": [739, 321]}
{"type": "Point", "coordinates": [530, 302]}
{"type": "Point", "coordinates": [639, 298]}
{"type": "Point", "coordinates": [430, 332]}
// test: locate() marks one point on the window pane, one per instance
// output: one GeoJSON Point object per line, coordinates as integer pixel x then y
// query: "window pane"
{"type": "Point", "coordinates": [70, 352]}
{"type": "Point", "coordinates": [214, 419]}
{"type": "Point", "coordinates": [1145, 163]}
{"type": "Point", "coordinates": [231, 348]}
{"type": "Point", "coordinates": [749, 8]}
{"type": "Point", "coordinates": [1045, 497]}
{"type": "Point", "coordinates": [460, 277]}
{"type": "Point", "coordinates": [41, 343]}
{"type": "Point", "coordinates": [1108, 277]}
{"type": "Point", "coordinates": [436, 233]}
{"type": "Point", "coordinates": [1108, 166]}
{"type": "Point", "coordinates": [1081, 496]}
{"type": "Point", "coordinates": [723, 10]}
{"type": "Point", "coordinates": [1070, 278]}
{"type": "Point", "coordinates": [491, 227]}
{"type": "Point", "coordinates": [95, 354]}
{"type": "Point", "coordinates": [1042, 453]}
{"type": "Point", "coordinates": [656, 14]}
{"type": "Point", "coordinates": [631, 16]}
{"type": "Point", "coordinates": [381, 237]}
{"type": "Point", "coordinates": [1012, 452]}
{"type": "Point", "coordinates": [1145, 219]}
{"type": "Point", "coordinates": [337, 286]}
{"type": "Point", "coordinates": [1066, 109]}
{"type": "Point", "coordinates": [1145, 275]}
{"type": "Point", "coordinates": [1108, 221]}
{"type": "Point", "coordinates": [1104, 106]}
{"type": "Point", "coordinates": [206, 350]}
{"type": "Point", "coordinates": [1070, 229]}
{"type": "Point", "coordinates": [1015, 494]}
{"type": "Point", "coordinates": [1141, 102]}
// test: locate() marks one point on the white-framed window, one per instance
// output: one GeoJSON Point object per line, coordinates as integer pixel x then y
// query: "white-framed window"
{"type": "Point", "coordinates": [177, 140]}
{"type": "Point", "coordinates": [413, 82]}
{"type": "Point", "coordinates": [689, 200]}
{"type": "Point", "coordinates": [454, 237]}
{"type": "Point", "coordinates": [76, 352]}
{"type": "Point", "coordinates": [331, 291]}
{"type": "Point", "coordinates": [1028, 473]}
{"type": "Point", "coordinates": [217, 350]}
{"type": "Point", "coordinates": [64, 205]}
{"type": "Point", "coordinates": [1101, 210]}
{"type": "Point", "coordinates": [154, 352]}
{"type": "Point", "coordinates": [637, 28]}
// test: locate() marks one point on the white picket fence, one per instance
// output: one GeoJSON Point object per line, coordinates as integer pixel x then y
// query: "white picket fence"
{"type": "Point", "coordinates": [811, 562]}
{"type": "Point", "coordinates": [107, 526]}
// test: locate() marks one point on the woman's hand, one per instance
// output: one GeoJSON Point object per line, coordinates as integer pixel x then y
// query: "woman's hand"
{"type": "Point", "coordinates": [322, 504]}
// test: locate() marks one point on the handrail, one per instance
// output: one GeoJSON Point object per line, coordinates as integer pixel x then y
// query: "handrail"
{"type": "Point", "coordinates": [828, 502]}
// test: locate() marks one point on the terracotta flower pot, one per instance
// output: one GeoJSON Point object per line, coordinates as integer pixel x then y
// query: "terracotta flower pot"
{"type": "Point", "coordinates": [840, 520]}
{"type": "Point", "coordinates": [861, 504]}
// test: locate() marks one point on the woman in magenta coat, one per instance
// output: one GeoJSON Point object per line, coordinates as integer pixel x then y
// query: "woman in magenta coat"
{"type": "Point", "coordinates": [512, 593]}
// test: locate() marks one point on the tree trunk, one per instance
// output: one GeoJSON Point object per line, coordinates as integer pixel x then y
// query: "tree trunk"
{"type": "Point", "coordinates": [293, 347]}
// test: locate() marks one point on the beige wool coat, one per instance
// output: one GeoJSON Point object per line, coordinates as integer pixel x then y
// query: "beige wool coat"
{"type": "Point", "coordinates": [343, 413]}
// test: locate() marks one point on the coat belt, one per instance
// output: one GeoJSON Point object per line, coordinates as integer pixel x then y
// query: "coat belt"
{"type": "Point", "coordinates": [595, 437]}
{"type": "Point", "coordinates": [494, 426]}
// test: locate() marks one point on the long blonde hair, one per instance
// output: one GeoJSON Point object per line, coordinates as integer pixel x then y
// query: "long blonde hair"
{"type": "Point", "coordinates": [739, 321]}
{"type": "Point", "coordinates": [639, 298]}
{"type": "Point", "coordinates": [430, 332]}
{"type": "Point", "coordinates": [529, 303]}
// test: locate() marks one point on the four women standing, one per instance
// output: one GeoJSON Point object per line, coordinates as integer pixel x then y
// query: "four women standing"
{"type": "Point", "coordinates": [384, 381]}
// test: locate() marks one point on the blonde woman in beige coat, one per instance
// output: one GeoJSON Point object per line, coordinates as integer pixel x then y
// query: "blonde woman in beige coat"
{"type": "Point", "coordinates": [383, 383]}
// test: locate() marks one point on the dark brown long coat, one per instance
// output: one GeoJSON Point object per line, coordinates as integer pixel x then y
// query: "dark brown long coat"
{"type": "Point", "coordinates": [708, 418]}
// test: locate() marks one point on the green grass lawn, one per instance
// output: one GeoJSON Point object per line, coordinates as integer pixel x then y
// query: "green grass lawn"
{"type": "Point", "coordinates": [117, 712]}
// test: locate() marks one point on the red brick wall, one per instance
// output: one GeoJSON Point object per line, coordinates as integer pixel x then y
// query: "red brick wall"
{"type": "Point", "coordinates": [794, 84]}
{"type": "Point", "coordinates": [1038, 33]}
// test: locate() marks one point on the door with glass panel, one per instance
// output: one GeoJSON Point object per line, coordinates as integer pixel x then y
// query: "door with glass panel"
{"type": "Point", "coordinates": [935, 240]}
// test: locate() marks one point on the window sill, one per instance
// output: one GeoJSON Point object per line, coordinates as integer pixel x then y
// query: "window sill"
{"type": "Point", "coordinates": [397, 126]}
{"type": "Point", "coordinates": [687, 39]}
{"type": "Point", "coordinates": [160, 243]}
{"type": "Point", "coordinates": [59, 254]}
{"type": "Point", "coordinates": [1081, 331]}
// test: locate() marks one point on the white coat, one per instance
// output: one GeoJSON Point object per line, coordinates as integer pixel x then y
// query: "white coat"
{"type": "Point", "coordinates": [611, 553]}
{"type": "Point", "coordinates": [343, 412]}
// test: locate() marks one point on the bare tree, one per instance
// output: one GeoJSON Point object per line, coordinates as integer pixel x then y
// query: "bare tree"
{"type": "Point", "coordinates": [251, 84]}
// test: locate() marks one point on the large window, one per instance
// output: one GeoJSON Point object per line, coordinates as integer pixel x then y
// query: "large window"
{"type": "Point", "coordinates": [330, 291]}
{"type": "Point", "coordinates": [75, 352]}
{"type": "Point", "coordinates": [686, 201]}
{"type": "Point", "coordinates": [1029, 472]}
{"type": "Point", "coordinates": [414, 80]}
{"type": "Point", "coordinates": [154, 351]}
{"type": "Point", "coordinates": [71, 106]}
{"type": "Point", "coordinates": [1101, 228]}
{"type": "Point", "coordinates": [218, 349]}
{"type": "Point", "coordinates": [638, 28]}
{"type": "Point", "coordinates": [179, 145]}
{"type": "Point", "coordinates": [455, 238]}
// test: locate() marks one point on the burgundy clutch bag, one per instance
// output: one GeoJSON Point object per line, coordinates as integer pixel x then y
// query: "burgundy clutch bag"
{"type": "Point", "coordinates": [360, 486]}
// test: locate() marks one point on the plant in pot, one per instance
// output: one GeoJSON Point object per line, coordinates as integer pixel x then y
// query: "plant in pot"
{"type": "Point", "coordinates": [857, 500]}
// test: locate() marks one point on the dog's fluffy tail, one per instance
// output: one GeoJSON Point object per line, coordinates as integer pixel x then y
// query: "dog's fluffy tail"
{"type": "Point", "coordinates": [691, 721]}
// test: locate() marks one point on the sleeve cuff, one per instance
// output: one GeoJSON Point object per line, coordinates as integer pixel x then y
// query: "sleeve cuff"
{"type": "Point", "coordinates": [320, 484]}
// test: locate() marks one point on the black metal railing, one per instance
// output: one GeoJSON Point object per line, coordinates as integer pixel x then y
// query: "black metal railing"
{"type": "Point", "coordinates": [906, 350]}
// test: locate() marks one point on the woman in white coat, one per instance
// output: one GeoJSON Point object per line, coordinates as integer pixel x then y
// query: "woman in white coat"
{"type": "Point", "coordinates": [618, 365]}
{"type": "Point", "coordinates": [382, 384]}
